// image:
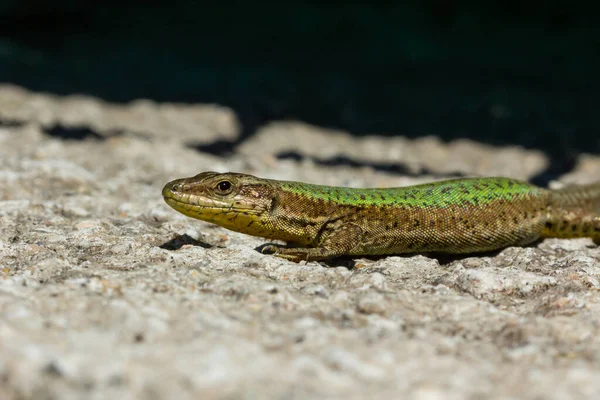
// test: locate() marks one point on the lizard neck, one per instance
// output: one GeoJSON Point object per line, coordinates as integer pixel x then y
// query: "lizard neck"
{"type": "Point", "coordinates": [299, 210]}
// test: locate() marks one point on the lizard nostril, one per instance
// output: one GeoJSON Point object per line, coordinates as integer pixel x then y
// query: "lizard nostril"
{"type": "Point", "coordinates": [172, 188]}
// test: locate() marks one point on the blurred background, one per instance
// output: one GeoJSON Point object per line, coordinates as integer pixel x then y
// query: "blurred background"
{"type": "Point", "coordinates": [511, 72]}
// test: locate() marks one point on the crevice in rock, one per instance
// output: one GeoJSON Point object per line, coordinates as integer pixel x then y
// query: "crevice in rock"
{"type": "Point", "coordinates": [75, 133]}
{"type": "Point", "coordinates": [11, 123]}
{"type": "Point", "coordinates": [341, 160]}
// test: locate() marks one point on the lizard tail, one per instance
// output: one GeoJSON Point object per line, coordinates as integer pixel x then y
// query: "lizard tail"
{"type": "Point", "coordinates": [574, 212]}
{"type": "Point", "coordinates": [587, 196]}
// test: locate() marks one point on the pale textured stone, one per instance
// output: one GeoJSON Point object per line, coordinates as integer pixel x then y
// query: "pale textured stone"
{"type": "Point", "coordinates": [101, 298]}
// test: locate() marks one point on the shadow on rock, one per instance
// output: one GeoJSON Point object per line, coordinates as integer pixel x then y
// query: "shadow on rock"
{"type": "Point", "coordinates": [180, 240]}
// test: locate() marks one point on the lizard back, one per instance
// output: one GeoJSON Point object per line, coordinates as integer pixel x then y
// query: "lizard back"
{"type": "Point", "coordinates": [454, 216]}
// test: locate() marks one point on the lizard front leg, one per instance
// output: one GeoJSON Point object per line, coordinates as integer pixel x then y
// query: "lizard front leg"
{"type": "Point", "coordinates": [335, 243]}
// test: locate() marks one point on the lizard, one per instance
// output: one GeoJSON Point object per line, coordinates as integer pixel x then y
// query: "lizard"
{"type": "Point", "coordinates": [457, 216]}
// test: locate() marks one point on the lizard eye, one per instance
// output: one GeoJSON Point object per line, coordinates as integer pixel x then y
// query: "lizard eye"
{"type": "Point", "coordinates": [224, 187]}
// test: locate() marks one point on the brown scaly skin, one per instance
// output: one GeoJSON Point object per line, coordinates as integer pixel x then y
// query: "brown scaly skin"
{"type": "Point", "coordinates": [456, 216]}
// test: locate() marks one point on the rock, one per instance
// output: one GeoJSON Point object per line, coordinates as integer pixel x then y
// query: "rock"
{"type": "Point", "coordinates": [107, 292]}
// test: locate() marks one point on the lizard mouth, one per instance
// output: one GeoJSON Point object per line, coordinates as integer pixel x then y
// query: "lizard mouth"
{"type": "Point", "coordinates": [215, 211]}
{"type": "Point", "coordinates": [186, 207]}
{"type": "Point", "coordinates": [203, 207]}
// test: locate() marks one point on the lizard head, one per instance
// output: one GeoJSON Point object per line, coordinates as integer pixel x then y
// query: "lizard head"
{"type": "Point", "coordinates": [232, 200]}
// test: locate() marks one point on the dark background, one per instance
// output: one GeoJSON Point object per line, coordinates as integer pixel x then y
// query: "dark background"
{"type": "Point", "coordinates": [511, 72]}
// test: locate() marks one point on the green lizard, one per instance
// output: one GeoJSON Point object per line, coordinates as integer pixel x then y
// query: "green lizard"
{"type": "Point", "coordinates": [453, 216]}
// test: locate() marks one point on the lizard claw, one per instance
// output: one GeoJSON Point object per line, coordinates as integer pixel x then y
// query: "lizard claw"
{"type": "Point", "coordinates": [282, 252]}
{"type": "Point", "coordinates": [270, 249]}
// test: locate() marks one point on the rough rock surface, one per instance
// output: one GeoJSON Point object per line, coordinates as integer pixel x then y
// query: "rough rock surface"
{"type": "Point", "coordinates": [105, 292]}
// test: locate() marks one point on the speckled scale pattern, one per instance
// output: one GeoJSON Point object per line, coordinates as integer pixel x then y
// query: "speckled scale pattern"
{"type": "Point", "coordinates": [458, 216]}
{"type": "Point", "coordinates": [574, 212]}
{"type": "Point", "coordinates": [453, 216]}
{"type": "Point", "coordinates": [438, 194]}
